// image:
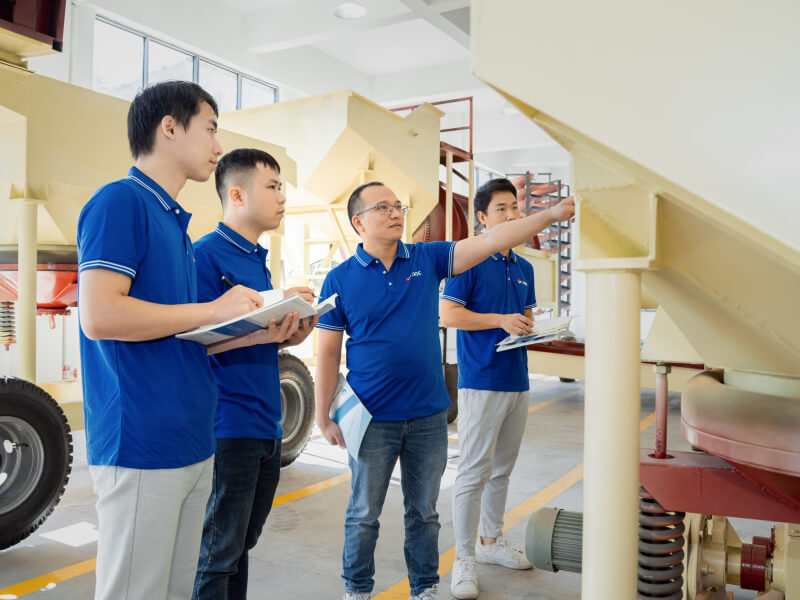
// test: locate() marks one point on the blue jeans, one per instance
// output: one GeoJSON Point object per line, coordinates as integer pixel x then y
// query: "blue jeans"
{"type": "Point", "coordinates": [246, 474]}
{"type": "Point", "coordinates": [421, 446]}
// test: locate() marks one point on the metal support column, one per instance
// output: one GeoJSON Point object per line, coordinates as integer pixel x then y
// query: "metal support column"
{"type": "Point", "coordinates": [275, 259]}
{"type": "Point", "coordinates": [471, 200]}
{"type": "Point", "coordinates": [26, 288]}
{"type": "Point", "coordinates": [448, 198]}
{"type": "Point", "coordinates": [611, 446]}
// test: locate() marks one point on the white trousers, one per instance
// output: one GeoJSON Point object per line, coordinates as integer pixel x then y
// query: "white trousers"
{"type": "Point", "coordinates": [150, 522]}
{"type": "Point", "coordinates": [490, 429]}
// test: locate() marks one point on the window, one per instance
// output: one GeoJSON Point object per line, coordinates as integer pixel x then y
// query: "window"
{"type": "Point", "coordinates": [118, 60]}
{"type": "Point", "coordinates": [126, 60]}
{"type": "Point", "coordinates": [255, 93]}
{"type": "Point", "coordinates": [220, 83]}
{"type": "Point", "coordinates": [167, 63]}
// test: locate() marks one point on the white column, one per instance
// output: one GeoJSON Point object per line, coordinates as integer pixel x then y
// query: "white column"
{"type": "Point", "coordinates": [26, 289]}
{"type": "Point", "coordinates": [611, 446]}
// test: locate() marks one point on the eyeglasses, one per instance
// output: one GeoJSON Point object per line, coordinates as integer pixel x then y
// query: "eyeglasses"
{"type": "Point", "coordinates": [385, 209]}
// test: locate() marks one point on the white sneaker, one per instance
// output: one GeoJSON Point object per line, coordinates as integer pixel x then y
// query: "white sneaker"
{"type": "Point", "coordinates": [500, 553]}
{"type": "Point", "coordinates": [357, 596]}
{"type": "Point", "coordinates": [464, 582]}
{"type": "Point", "coordinates": [431, 593]}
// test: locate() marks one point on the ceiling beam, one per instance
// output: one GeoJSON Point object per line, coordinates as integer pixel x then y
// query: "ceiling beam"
{"type": "Point", "coordinates": [432, 14]}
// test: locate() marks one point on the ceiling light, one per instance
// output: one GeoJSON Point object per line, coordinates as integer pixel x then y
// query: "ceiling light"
{"type": "Point", "coordinates": [349, 10]}
{"type": "Point", "coordinates": [508, 109]}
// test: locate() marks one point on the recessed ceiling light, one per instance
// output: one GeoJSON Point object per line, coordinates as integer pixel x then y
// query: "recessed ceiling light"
{"type": "Point", "coordinates": [349, 10]}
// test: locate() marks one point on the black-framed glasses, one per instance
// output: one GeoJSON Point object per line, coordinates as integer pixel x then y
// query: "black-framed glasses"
{"type": "Point", "coordinates": [385, 209]}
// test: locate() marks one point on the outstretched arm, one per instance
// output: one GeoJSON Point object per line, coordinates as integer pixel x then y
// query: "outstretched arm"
{"type": "Point", "coordinates": [471, 251]}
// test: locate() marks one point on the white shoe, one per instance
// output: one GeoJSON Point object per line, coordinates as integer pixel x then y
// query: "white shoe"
{"type": "Point", "coordinates": [357, 596]}
{"type": "Point", "coordinates": [431, 593]}
{"type": "Point", "coordinates": [464, 582]}
{"type": "Point", "coordinates": [500, 553]}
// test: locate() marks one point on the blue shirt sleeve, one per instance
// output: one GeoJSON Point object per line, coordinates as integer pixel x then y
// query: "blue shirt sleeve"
{"type": "Point", "coordinates": [442, 253]}
{"type": "Point", "coordinates": [459, 288]}
{"type": "Point", "coordinates": [333, 320]}
{"type": "Point", "coordinates": [530, 301]}
{"type": "Point", "coordinates": [209, 277]}
{"type": "Point", "coordinates": [112, 231]}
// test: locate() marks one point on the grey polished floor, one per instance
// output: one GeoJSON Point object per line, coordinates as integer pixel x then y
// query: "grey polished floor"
{"type": "Point", "coordinates": [299, 553]}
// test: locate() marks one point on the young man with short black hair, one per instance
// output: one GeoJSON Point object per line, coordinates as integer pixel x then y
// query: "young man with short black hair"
{"type": "Point", "coordinates": [493, 299]}
{"type": "Point", "coordinates": [247, 424]}
{"type": "Point", "coordinates": [388, 304]}
{"type": "Point", "coordinates": [149, 397]}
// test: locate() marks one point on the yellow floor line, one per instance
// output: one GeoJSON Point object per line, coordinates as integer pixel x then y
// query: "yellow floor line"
{"type": "Point", "coordinates": [37, 583]}
{"type": "Point", "coordinates": [401, 590]}
{"type": "Point", "coordinates": [32, 585]}
{"type": "Point", "coordinates": [311, 489]}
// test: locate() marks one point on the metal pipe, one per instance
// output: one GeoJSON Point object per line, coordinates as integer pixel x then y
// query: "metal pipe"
{"type": "Point", "coordinates": [471, 201]}
{"type": "Point", "coordinates": [611, 447]}
{"type": "Point", "coordinates": [662, 408]}
{"type": "Point", "coordinates": [448, 198]}
{"type": "Point", "coordinates": [26, 288]}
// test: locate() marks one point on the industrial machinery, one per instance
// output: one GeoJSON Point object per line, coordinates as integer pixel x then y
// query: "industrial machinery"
{"type": "Point", "coordinates": [684, 175]}
{"type": "Point", "coordinates": [58, 143]}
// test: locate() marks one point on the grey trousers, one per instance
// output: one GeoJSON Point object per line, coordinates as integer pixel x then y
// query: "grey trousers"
{"type": "Point", "coordinates": [490, 429]}
{"type": "Point", "coordinates": [150, 525]}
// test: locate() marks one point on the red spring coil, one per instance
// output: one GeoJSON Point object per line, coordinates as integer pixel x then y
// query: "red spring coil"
{"type": "Point", "coordinates": [661, 554]}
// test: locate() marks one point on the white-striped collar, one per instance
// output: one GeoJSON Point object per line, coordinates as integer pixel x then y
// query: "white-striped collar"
{"type": "Point", "coordinates": [143, 180]}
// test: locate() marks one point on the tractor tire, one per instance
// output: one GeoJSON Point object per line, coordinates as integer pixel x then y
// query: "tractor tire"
{"type": "Point", "coordinates": [297, 406]}
{"type": "Point", "coordinates": [35, 458]}
{"type": "Point", "coordinates": [451, 382]}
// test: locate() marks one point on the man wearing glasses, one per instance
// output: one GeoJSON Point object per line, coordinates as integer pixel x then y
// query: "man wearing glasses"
{"type": "Point", "coordinates": [388, 294]}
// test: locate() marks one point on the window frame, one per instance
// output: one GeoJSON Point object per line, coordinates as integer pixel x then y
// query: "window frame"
{"type": "Point", "coordinates": [196, 58]}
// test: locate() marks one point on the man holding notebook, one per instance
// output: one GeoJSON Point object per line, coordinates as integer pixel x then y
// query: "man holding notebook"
{"type": "Point", "coordinates": [486, 304]}
{"type": "Point", "coordinates": [388, 304]}
{"type": "Point", "coordinates": [247, 421]}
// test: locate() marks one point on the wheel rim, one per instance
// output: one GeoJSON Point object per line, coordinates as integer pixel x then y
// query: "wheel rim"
{"type": "Point", "coordinates": [21, 462]}
{"type": "Point", "coordinates": [292, 410]}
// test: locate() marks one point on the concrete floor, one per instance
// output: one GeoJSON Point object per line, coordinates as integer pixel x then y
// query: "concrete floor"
{"type": "Point", "coordinates": [299, 555]}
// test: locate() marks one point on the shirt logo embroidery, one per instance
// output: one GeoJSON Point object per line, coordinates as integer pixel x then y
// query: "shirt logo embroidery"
{"type": "Point", "coordinates": [525, 283]}
{"type": "Point", "coordinates": [414, 274]}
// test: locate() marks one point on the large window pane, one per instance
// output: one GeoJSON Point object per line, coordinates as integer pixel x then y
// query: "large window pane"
{"type": "Point", "coordinates": [118, 60]}
{"type": "Point", "coordinates": [256, 94]}
{"type": "Point", "coordinates": [220, 83]}
{"type": "Point", "coordinates": [167, 63]}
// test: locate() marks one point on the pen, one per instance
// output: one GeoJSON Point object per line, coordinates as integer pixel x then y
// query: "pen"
{"type": "Point", "coordinates": [227, 281]}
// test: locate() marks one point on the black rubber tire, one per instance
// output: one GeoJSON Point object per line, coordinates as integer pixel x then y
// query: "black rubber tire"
{"type": "Point", "coordinates": [297, 406]}
{"type": "Point", "coordinates": [35, 475]}
{"type": "Point", "coordinates": [451, 382]}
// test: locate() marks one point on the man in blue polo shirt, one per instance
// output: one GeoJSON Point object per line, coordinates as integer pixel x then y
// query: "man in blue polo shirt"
{"type": "Point", "coordinates": [149, 397]}
{"type": "Point", "coordinates": [487, 303]}
{"type": "Point", "coordinates": [388, 304]}
{"type": "Point", "coordinates": [247, 424]}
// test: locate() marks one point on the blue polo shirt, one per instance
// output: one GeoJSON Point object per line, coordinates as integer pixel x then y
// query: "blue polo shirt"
{"type": "Point", "coordinates": [147, 405]}
{"type": "Point", "coordinates": [496, 285]}
{"type": "Point", "coordinates": [391, 316]}
{"type": "Point", "coordinates": [248, 378]}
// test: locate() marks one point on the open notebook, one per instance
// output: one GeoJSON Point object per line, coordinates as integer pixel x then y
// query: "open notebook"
{"type": "Point", "coordinates": [545, 330]}
{"type": "Point", "coordinates": [257, 319]}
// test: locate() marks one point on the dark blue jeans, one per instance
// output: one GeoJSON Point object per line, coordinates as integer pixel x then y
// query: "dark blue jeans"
{"type": "Point", "coordinates": [421, 446]}
{"type": "Point", "coordinates": [246, 474]}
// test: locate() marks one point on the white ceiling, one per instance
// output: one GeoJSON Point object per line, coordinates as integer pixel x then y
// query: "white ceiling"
{"type": "Point", "coordinates": [404, 46]}
{"type": "Point", "coordinates": [401, 52]}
